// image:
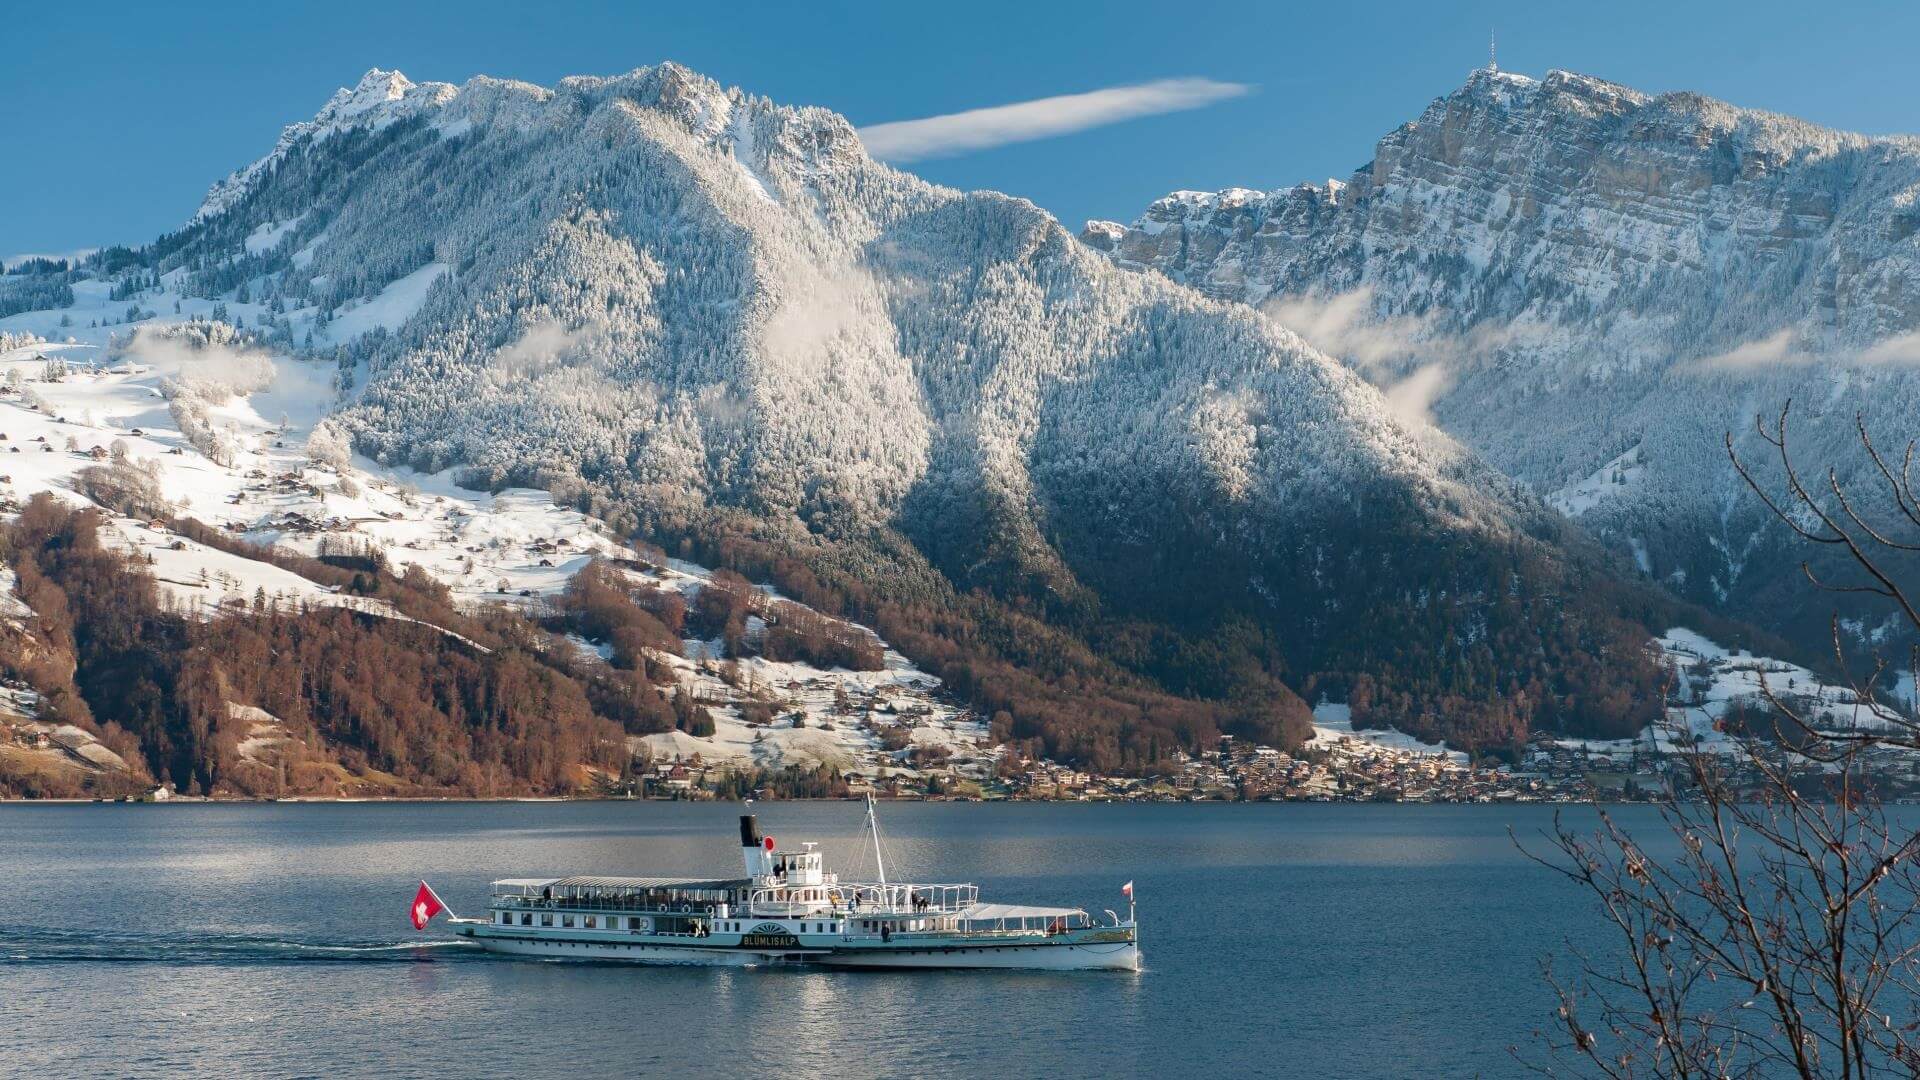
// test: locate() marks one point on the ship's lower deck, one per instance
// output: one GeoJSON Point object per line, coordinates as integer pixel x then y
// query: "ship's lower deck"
{"type": "Point", "coordinates": [1108, 950]}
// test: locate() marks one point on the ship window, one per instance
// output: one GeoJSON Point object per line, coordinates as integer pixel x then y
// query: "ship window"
{"type": "Point", "coordinates": [546, 920]}
{"type": "Point", "coordinates": [566, 920]}
{"type": "Point", "coordinates": [526, 918]}
{"type": "Point", "coordinates": [592, 923]}
{"type": "Point", "coordinates": [633, 923]}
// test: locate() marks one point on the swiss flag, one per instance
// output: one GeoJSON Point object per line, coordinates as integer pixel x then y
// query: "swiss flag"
{"type": "Point", "coordinates": [425, 906]}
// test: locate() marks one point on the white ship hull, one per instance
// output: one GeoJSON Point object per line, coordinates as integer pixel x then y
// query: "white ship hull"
{"type": "Point", "coordinates": [626, 952]}
{"type": "Point", "coordinates": [1104, 957]}
{"type": "Point", "coordinates": [1092, 956]}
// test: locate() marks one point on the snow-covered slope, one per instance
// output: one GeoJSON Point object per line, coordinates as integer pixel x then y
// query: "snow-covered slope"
{"type": "Point", "coordinates": [1333, 725]}
{"type": "Point", "coordinates": [1579, 271]}
{"type": "Point", "coordinates": [1717, 684]}
{"type": "Point", "coordinates": [59, 402]}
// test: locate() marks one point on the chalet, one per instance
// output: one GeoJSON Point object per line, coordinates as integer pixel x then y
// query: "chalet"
{"type": "Point", "coordinates": [98, 453]}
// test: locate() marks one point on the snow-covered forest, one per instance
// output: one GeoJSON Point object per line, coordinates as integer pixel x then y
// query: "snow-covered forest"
{"type": "Point", "coordinates": [1114, 516]}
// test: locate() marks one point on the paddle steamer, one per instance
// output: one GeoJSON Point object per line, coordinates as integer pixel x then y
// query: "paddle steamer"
{"type": "Point", "coordinates": [789, 909]}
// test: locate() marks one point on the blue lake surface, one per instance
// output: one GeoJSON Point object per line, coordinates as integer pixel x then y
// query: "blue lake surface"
{"type": "Point", "coordinates": [272, 940]}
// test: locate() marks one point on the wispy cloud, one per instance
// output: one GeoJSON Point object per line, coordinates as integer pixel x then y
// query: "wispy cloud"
{"type": "Point", "coordinates": [1044, 118]}
{"type": "Point", "coordinates": [1779, 349]}
{"type": "Point", "coordinates": [1901, 349]}
{"type": "Point", "coordinates": [539, 350]}
{"type": "Point", "coordinates": [1344, 325]}
{"type": "Point", "coordinates": [1411, 358]}
{"type": "Point", "coordinates": [1412, 398]}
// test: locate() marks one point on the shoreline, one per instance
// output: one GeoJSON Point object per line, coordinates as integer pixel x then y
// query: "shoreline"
{"type": "Point", "coordinates": [322, 800]}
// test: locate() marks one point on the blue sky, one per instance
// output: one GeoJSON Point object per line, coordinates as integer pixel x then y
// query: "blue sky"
{"type": "Point", "coordinates": [115, 117]}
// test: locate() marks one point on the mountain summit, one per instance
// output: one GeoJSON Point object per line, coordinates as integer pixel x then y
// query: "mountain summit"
{"type": "Point", "coordinates": [1589, 285]}
{"type": "Point", "coordinates": [1116, 514]}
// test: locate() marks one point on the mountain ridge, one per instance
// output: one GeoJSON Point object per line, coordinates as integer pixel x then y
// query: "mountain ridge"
{"type": "Point", "coordinates": [1569, 273]}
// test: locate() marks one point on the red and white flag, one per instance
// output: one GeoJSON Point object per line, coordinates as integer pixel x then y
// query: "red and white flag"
{"type": "Point", "coordinates": [1125, 890]}
{"type": "Point", "coordinates": [425, 906]}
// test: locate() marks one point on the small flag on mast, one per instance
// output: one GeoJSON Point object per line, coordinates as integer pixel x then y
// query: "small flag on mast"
{"type": "Point", "coordinates": [426, 904]}
{"type": "Point", "coordinates": [1127, 890]}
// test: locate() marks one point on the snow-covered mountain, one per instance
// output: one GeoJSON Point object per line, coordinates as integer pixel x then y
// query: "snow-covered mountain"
{"type": "Point", "coordinates": [1589, 285]}
{"type": "Point", "coordinates": [1117, 514]}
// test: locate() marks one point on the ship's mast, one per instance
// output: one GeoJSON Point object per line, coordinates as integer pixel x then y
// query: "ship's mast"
{"type": "Point", "coordinates": [873, 825]}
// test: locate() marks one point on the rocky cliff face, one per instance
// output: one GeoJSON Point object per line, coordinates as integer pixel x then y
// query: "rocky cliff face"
{"type": "Point", "coordinates": [1590, 285]}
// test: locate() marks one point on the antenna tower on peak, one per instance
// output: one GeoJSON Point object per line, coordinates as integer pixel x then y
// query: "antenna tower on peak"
{"type": "Point", "coordinates": [1493, 54]}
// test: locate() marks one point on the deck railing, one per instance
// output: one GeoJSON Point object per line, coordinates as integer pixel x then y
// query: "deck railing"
{"type": "Point", "coordinates": [663, 905]}
{"type": "Point", "coordinates": [858, 898]}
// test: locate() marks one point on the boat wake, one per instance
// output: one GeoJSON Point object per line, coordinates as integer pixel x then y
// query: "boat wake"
{"type": "Point", "coordinates": [31, 945]}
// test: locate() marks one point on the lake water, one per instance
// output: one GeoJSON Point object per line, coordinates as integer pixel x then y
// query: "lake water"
{"type": "Point", "coordinates": [272, 940]}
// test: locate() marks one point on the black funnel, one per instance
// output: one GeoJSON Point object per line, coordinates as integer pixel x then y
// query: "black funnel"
{"type": "Point", "coordinates": [749, 831]}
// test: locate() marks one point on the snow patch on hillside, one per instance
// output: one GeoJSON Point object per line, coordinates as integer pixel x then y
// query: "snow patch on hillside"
{"type": "Point", "coordinates": [1616, 478]}
{"type": "Point", "coordinates": [11, 606]}
{"type": "Point", "coordinates": [270, 233]}
{"type": "Point", "coordinates": [388, 309]}
{"type": "Point", "coordinates": [1716, 681]}
{"type": "Point", "coordinates": [267, 737]}
{"type": "Point", "coordinates": [1333, 724]}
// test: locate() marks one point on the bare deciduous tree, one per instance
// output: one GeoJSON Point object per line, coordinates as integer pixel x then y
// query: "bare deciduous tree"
{"type": "Point", "coordinates": [1772, 930]}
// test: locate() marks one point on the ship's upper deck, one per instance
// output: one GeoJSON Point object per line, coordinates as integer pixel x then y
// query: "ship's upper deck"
{"type": "Point", "coordinates": [621, 891]}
